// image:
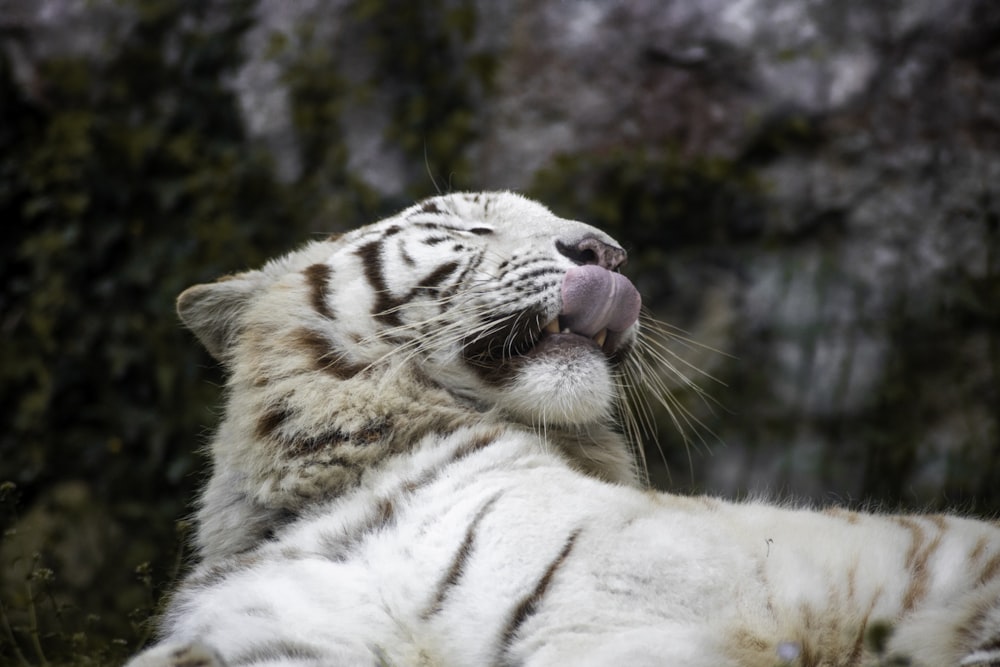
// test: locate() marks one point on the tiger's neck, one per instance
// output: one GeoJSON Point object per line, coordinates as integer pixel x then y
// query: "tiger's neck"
{"type": "Point", "coordinates": [307, 428]}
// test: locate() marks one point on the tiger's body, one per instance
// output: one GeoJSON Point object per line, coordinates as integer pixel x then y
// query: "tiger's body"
{"type": "Point", "coordinates": [418, 465]}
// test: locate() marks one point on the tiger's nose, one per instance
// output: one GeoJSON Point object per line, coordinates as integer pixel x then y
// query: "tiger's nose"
{"type": "Point", "coordinates": [591, 250]}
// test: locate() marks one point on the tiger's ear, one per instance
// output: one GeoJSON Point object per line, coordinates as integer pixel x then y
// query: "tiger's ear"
{"type": "Point", "coordinates": [213, 311]}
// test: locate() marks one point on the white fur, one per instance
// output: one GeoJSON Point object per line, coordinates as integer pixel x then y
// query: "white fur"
{"type": "Point", "coordinates": [574, 390]}
{"type": "Point", "coordinates": [499, 522]}
{"type": "Point", "coordinates": [652, 579]}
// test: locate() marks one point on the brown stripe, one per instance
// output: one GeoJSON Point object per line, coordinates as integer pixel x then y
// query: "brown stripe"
{"type": "Point", "coordinates": [531, 275]}
{"type": "Point", "coordinates": [979, 550]}
{"type": "Point", "coordinates": [271, 421]}
{"type": "Point", "coordinates": [430, 475]}
{"type": "Point", "coordinates": [375, 430]}
{"type": "Point", "coordinates": [916, 537]}
{"type": "Point", "coordinates": [206, 578]}
{"type": "Point", "coordinates": [299, 446]}
{"type": "Point", "coordinates": [450, 580]}
{"type": "Point", "coordinates": [384, 307]}
{"type": "Point", "coordinates": [407, 259]}
{"type": "Point", "coordinates": [325, 356]}
{"type": "Point", "coordinates": [437, 276]}
{"type": "Point", "coordinates": [441, 226]}
{"type": "Point", "coordinates": [426, 477]}
{"type": "Point", "coordinates": [481, 441]}
{"type": "Point", "coordinates": [976, 623]}
{"type": "Point", "coordinates": [749, 640]}
{"type": "Point", "coordinates": [385, 513]}
{"type": "Point", "coordinates": [470, 266]}
{"type": "Point", "coordinates": [992, 644]}
{"type": "Point", "coordinates": [852, 578]}
{"type": "Point", "coordinates": [840, 513]}
{"type": "Point", "coordinates": [859, 640]}
{"type": "Point", "coordinates": [529, 604]}
{"type": "Point", "coordinates": [318, 277]}
{"type": "Point", "coordinates": [339, 548]}
{"type": "Point", "coordinates": [917, 558]}
{"type": "Point", "coordinates": [990, 570]}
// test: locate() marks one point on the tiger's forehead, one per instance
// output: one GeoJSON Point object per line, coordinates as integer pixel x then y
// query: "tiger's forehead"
{"type": "Point", "coordinates": [504, 216]}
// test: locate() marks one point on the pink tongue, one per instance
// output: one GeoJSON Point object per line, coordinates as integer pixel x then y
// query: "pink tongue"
{"type": "Point", "coordinates": [595, 299]}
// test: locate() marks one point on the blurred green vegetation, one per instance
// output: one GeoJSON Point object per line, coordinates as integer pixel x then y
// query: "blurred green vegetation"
{"type": "Point", "coordinates": [124, 180]}
{"type": "Point", "coordinates": [423, 55]}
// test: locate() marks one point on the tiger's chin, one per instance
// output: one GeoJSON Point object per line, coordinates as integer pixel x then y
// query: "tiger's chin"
{"type": "Point", "coordinates": [565, 379]}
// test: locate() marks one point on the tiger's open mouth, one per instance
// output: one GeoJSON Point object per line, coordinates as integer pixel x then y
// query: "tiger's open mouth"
{"type": "Point", "coordinates": [598, 308]}
{"type": "Point", "coordinates": [558, 332]}
{"type": "Point", "coordinates": [597, 305]}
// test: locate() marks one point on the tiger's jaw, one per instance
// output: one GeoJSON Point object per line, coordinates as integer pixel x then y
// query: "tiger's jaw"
{"type": "Point", "coordinates": [564, 372]}
{"type": "Point", "coordinates": [565, 380]}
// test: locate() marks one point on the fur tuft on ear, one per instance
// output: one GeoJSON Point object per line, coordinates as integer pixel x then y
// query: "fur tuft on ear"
{"type": "Point", "coordinates": [213, 311]}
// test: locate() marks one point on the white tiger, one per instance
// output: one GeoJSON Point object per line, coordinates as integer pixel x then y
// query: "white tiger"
{"type": "Point", "coordinates": [418, 465]}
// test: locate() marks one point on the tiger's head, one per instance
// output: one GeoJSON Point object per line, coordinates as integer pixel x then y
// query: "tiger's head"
{"type": "Point", "coordinates": [463, 309]}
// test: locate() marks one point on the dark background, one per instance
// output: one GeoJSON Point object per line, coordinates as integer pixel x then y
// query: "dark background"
{"type": "Point", "coordinates": [811, 190]}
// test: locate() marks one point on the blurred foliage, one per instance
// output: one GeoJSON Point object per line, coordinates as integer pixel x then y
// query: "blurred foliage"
{"type": "Point", "coordinates": [424, 56]}
{"type": "Point", "coordinates": [326, 190]}
{"type": "Point", "coordinates": [657, 196]}
{"type": "Point", "coordinates": [125, 180]}
{"type": "Point", "coordinates": [944, 367]}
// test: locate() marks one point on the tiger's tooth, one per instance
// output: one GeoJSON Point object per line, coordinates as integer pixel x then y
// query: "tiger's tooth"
{"type": "Point", "coordinates": [553, 326]}
{"type": "Point", "coordinates": [601, 336]}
